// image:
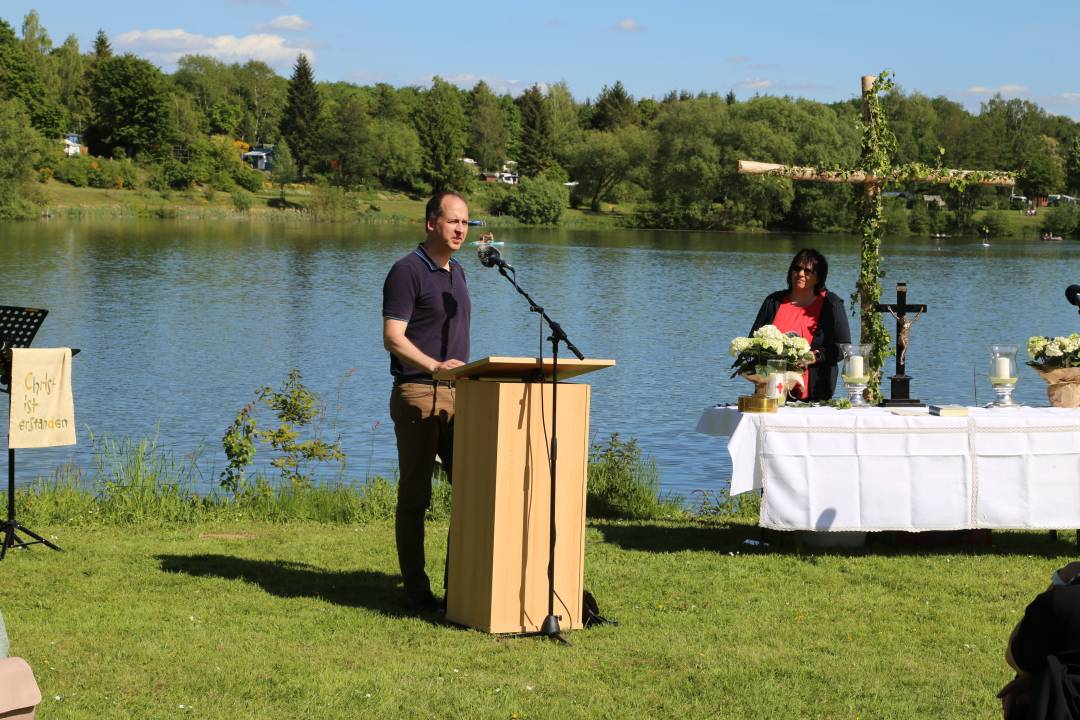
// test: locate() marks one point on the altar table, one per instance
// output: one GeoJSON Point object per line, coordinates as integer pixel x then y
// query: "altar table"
{"type": "Point", "coordinates": [880, 469]}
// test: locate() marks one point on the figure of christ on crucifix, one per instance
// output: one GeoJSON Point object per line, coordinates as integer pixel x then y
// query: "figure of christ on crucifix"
{"type": "Point", "coordinates": [900, 391]}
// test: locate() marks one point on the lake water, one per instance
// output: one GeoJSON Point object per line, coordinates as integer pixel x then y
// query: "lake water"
{"type": "Point", "coordinates": [179, 323]}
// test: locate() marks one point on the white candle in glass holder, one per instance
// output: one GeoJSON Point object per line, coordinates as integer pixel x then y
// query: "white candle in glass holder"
{"type": "Point", "coordinates": [855, 366]}
{"type": "Point", "coordinates": [773, 383]}
{"type": "Point", "coordinates": [1002, 367]}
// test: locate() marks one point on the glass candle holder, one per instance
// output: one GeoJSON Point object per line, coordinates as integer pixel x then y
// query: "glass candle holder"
{"type": "Point", "coordinates": [1003, 374]}
{"type": "Point", "coordinates": [774, 380]}
{"type": "Point", "coordinates": [855, 371]}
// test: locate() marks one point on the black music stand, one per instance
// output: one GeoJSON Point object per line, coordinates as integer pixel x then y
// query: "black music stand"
{"type": "Point", "coordinates": [17, 329]}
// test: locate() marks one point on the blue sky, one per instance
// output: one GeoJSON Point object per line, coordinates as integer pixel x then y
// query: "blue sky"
{"type": "Point", "coordinates": [966, 51]}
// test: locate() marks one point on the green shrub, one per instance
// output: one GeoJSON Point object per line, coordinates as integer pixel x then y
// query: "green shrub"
{"type": "Point", "coordinates": [222, 181]}
{"type": "Point", "coordinates": [895, 219]}
{"type": "Point", "coordinates": [74, 171]}
{"type": "Point", "coordinates": [330, 203]}
{"type": "Point", "coordinates": [248, 178]}
{"type": "Point", "coordinates": [177, 175]}
{"type": "Point", "coordinates": [537, 201]}
{"type": "Point", "coordinates": [623, 484]}
{"type": "Point", "coordinates": [995, 223]}
{"type": "Point", "coordinates": [241, 201]}
{"type": "Point", "coordinates": [1062, 220]}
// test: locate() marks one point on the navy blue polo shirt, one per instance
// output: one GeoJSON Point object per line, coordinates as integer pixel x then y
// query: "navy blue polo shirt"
{"type": "Point", "coordinates": [435, 304]}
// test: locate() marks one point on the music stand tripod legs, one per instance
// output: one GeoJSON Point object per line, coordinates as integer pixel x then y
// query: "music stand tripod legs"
{"type": "Point", "coordinates": [11, 527]}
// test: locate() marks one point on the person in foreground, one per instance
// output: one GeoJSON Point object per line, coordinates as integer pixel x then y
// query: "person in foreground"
{"type": "Point", "coordinates": [426, 314]}
{"type": "Point", "coordinates": [1043, 648]}
{"type": "Point", "coordinates": [810, 310]}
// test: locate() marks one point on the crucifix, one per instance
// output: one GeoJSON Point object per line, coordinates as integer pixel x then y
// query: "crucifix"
{"type": "Point", "coordinates": [872, 185]}
{"type": "Point", "coordinates": [900, 393]}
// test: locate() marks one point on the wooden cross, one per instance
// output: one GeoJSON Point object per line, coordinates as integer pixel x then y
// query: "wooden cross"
{"type": "Point", "coordinates": [900, 393]}
{"type": "Point", "coordinates": [872, 185]}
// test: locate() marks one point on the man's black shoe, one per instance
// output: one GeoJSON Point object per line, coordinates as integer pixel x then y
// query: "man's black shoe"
{"type": "Point", "coordinates": [423, 601]}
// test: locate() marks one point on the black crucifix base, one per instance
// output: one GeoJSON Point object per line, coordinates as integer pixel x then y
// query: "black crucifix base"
{"type": "Point", "coordinates": [900, 389]}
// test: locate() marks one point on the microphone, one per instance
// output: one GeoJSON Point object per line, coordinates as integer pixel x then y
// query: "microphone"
{"type": "Point", "coordinates": [1072, 294]}
{"type": "Point", "coordinates": [489, 257]}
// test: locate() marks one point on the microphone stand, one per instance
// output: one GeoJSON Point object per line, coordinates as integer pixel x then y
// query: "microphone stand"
{"type": "Point", "coordinates": [550, 627]}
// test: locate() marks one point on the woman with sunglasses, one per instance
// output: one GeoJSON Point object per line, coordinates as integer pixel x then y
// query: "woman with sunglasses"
{"type": "Point", "coordinates": [810, 310]}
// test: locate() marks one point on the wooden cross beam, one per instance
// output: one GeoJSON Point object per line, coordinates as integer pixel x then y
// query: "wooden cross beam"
{"type": "Point", "coordinates": [872, 182]}
{"type": "Point", "coordinates": [858, 177]}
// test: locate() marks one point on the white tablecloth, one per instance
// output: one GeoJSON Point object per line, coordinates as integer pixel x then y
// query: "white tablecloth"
{"type": "Point", "coordinates": [871, 469]}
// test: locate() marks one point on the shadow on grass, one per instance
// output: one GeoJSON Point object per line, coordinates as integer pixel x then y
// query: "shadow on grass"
{"type": "Point", "coordinates": [369, 589]}
{"type": "Point", "coordinates": [745, 538]}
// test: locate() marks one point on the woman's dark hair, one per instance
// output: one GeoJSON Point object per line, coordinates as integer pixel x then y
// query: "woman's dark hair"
{"type": "Point", "coordinates": [810, 256]}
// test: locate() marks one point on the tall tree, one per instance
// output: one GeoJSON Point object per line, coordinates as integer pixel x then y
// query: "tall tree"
{"type": "Point", "coordinates": [487, 130]}
{"type": "Point", "coordinates": [603, 160]}
{"type": "Point", "coordinates": [615, 108]}
{"type": "Point", "coordinates": [396, 153]}
{"type": "Point", "coordinates": [303, 110]}
{"type": "Point", "coordinates": [20, 145]}
{"type": "Point", "coordinates": [348, 140]}
{"type": "Point", "coordinates": [35, 38]}
{"type": "Point", "coordinates": [440, 123]}
{"type": "Point", "coordinates": [20, 79]}
{"type": "Point", "coordinates": [131, 107]}
{"type": "Point", "coordinates": [537, 152]}
{"type": "Point", "coordinates": [71, 69]}
{"type": "Point", "coordinates": [562, 110]}
{"type": "Point", "coordinates": [263, 92]}
{"type": "Point", "coordinates": [284, 168]}
{"type": "Point", "coordinates": [102, 46]}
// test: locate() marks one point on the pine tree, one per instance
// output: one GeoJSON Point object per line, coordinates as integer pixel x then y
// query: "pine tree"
{"type": "Point", "coordinates": [537, 139]}
{"type": "Point", "coordinates": [487, 131]}
{"type": "Point", "coordinates": [300, 121]}
{"type": "Point", "coordinates": [440, 123]}
{"type": "Point", "coordinates": [615, 108]}
{"type": "Point", "coordinates": [102, 48]}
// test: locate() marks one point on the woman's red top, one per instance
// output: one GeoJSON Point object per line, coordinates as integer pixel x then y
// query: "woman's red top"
{"type": "Point", "coordinates": [802, 320]}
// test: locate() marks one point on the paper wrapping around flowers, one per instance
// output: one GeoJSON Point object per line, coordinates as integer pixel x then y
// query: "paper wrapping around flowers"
{"type": "Point", "coordinates": [1062, 385]}
{"type": "Point", "coordinates": [791, 379]}
{"type": "Point", "coordinates": [42, 408]}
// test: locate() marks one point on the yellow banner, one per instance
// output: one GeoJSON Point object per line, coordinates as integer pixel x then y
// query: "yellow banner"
{"type": "Point", "coordinates": [42, 409]}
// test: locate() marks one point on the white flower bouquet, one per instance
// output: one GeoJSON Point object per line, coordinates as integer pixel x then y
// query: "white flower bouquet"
{"type": "Point", "coordinates": [1057, 360]}
{"type": "Point", "coordinates": [768, 343]}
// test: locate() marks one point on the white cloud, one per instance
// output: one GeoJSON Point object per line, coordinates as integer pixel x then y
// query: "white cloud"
{"type": "Point", "coordinates": [737, 59]}
{"type": "Point", "coordinates": [1071, 96]}
{"type": "Point", "coordinates": [168, 46]}
{"type": "Point", "coordinates": [755, 84]}
{"type": "Point", "coordinates": [1003, 90]}
{"type": "Point", "coordinates": [627, 25]}
{"type": "Point", "coordinates": [289, 23]}
{"type": "Point", "coordinates": [263, 3]}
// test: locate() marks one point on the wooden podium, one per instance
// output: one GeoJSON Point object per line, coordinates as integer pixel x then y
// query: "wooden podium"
{"type": "Point", "coordinates": [500, 516]}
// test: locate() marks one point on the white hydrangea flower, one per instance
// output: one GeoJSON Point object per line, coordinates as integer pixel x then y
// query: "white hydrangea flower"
{"type": "Point", "coordinates": [769, 332]}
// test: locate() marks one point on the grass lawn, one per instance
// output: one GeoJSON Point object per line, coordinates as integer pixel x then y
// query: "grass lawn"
{"type": "Point", "coordinates": [253, 620]}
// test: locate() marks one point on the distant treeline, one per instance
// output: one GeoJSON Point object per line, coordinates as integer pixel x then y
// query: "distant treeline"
{"type": "Point", "coordinates": [673, 159]}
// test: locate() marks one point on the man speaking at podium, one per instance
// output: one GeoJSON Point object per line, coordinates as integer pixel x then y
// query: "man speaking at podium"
{"type": "Point", "coordinates": [426, 312]}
